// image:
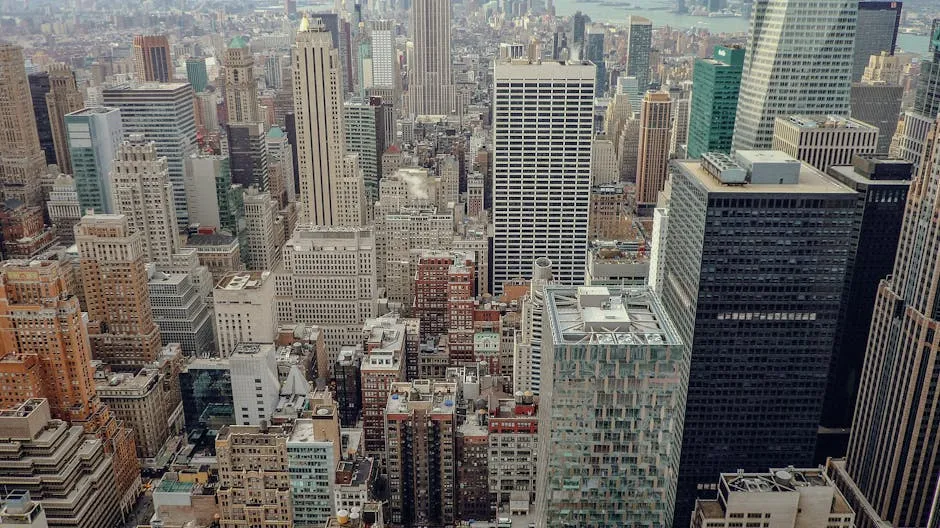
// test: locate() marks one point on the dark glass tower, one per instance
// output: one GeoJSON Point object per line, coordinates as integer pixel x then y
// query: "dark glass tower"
{"type": "Point", "coordinates": [39, 86]}
{"type": "Point", "coordinates": [878, 31]}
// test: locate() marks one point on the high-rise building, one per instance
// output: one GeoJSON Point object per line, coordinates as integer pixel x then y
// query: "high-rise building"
{"type": "Point", "coordinates": [254, 476]}
{"type": "Point", "coordinates": [775, 82]}
{"type": "Point", "coordinates": [67, 472]}
{"type": "Point", "coordinates": [94, 137]}
{"type": "Point", "coordinates": [24, 230]}
{"type": "Point", "coordinates": [327, 277]}
{"type": "Point", "coordinates": [179, 310]}
{"type": "Point", "coordinates": [882, 186]}
{"type": "Point", "coordinates": [527, 351]}
{"type": "Point", "coordinates": [64, 209]}
{"type": "Point", "coordinates": [384, 343]}
{"type": "Point", "coordinates": [248, 153]}
{"type": "Point", "coordinates": [715, 85]}
{"type": "Point", "coordinates": [783, 497]}
{"type": "Point", "coordinates": [431, 86]}
{"type": "Point", "coordinates": [631, 440]}
{"type": "Point", "coordinates": [63, 98]}
{"type": "Point", "coordinates": [139, 400]}
{"type": "Point", "coordinates": [214, 202]}
{"type": "Point", "coordinates": [474, 499]}
{"type": "Point", "coordinates": [152, 60]}
{"type": "Point", "coordinates": [263, 237]}
{"type": "Point", "coordinates": [347, 380]}
{"type": "Point", "coordinates": [163, 113]}
{"type": "Point", "coordinates": [22, 160]}
{"type": "Point", "coordinates": [639, 44]}
{"type": "Point", "coordinates": [824, 141]}
{"type": "Point", "coordinates": [143, 194]}
{"type": "Point", "coordinates": [878, 21]}
{"type": "Point", "coordinates": [312, 455]}
{"type": "Point", "coordinates": [241, 90]}
{"type": "Point", "coordinates": [114, 278]}
{"type": "Point", "coordinates": [280, 166]}
{"type": "Point", "coordinates": [911, 138]}
{"type": "Point", "coordinates": [513, 439]}
{"type": "Point", "coordinates": [895, 432]}
{"type": "Point", "coordinates": [679, 135]}
{"type": "Point", "coordinates": [420, 431]}
{"type": "Point", "coordinates": [220, 253]}
{"type": "Point", "coordinates": [243, 303]}
{"type": "Point", "coordinates": [384, 55]}
{"type": "Point", "coordinates": [594, 52]}
{"type": "Point", "coordinates": [878, 104]}
{"type": "Point", "coordinates": [38, 89]}
{"type": "Point", "coordinates": [364, 121]}
{"type": "Point", "coordinates": [652, 164]}
{"type": "Point", "coordinates": [318, 102]}
{"type": "Point", "coordinates": [197, 74]}
{"type": "Point", "coordinates": [554, 186]}
{"type": "Point", "coordinates": [779, 317]}
{"type": "Point", "coordinates": [255, 385]}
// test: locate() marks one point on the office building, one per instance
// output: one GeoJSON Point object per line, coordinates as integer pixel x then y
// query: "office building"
{"type": "Point", "coordinates": [895, 432]}
{"type": "Point", "coordinates": [139, 401]}
{"type": "Point", "coordinates": [94, 137]}
{"type": "Point", "coordinates": [781, 498]}
{"type": "Point", "coordinates": [775, 83]}
{"type": "Point", "coordinates": [364, 120]}
{"type": "Point", "coordinates": [879, 105]}
{"type": "Point", "coordinates": [431, 85]}
{"type": "Point", "coordinates": [554, 186]}
{"type": "Point", "coordinates": [824, 141]}
{"type": "Point", "coordinates": [24, 230]}
{"type": "Point", "coordinates": [38, 89]}
{"type": "Point", "coordinates": [180, 311]}
{"type": "Point", "coordinates": [384, 55]}
{"type": "Point", "coordinates": [347, 379]}
{"type": "Point", "coordinates": [152, 60]}
{"type": "Point", "coordinates": [594, 52]}
{"type": "Point", "coordinates": [639, 400]}
{"type": "Point", "coordinates": [313, 452]}
{"type": "Point", "coordinates": [385, 343]}
{"type": "Point", "coordinates": [618, 262]}
{"type": "Point", "coordinates": [474, 500]}
{"type": "Point", "coordinates": [441, 279]}
{"type": "Point", "coordinates": [420, 432]}
{"type": "Point", "coordinates": [716, 82]}
{"type": "Point", "coordinates": [65, 471]}
{"type": "Point", "coordinates": [732, 323]}
{"type": "Point", "coordinates": [163, 113]}
{"type": "Point", "coordinates": [63, 98]}
{"type": "Point", "coordinates": [64, 209]}
{"type": "Point", "coordinates": [197, 74]}
{"type": "Point", "coordinates": [143, 194]}
{"type": "Point", "coordinates": [280, 166]}
{"type": "Point", "coordinates": [220, 253]}
{"type": "Point", "coordinates": [652, 164]}
{"type": "Point", "coordinates": [254, 476]}
{"type": "Point", "coordinates": [241, 90]}
{"type": "Point", "coordinates": [879, 23]}
{"type": "Point", "coordinates": [327, 277]}
{"type": "Point", "coordinates": [247, 150]}
{"type": "Point", "coordinates": [911, 138]}
{"type": "Point", "coordinates": [214, 202]}
{"type": "Point", "coordinates": [255, 384]}
{"type": "Point", "coordinates": [639, 44]}
{"type": "Point", "coordinates": [604, 167]}
{"type": "Point", "coordinates": [527, 355]}
{"type": "Point", "coordinates": [206, 392]}
{"type": "Point", "coordinates": [114, 279]}
{"type": "Point", "coordinates": [882, 186]}
{"type": "Point", "coordinates": [19, 510]}
{"type": "Point", "coordinates": [22, 160]}
{"type": "Point", "coordinates": [679, 135]}
{"type": "Point", "coordinates": [318, 101]}
{"type": "Point", "coordinates": [513, 448]}
{"type": "Point", "coordinates": [263, 237]}
{"type": "Point", "coordinates": [243, 303]}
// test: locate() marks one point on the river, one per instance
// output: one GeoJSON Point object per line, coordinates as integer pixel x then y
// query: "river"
{"type": "Point", "coordinates": [662, 17]}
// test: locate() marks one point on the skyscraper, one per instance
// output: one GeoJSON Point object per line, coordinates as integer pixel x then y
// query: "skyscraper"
{"type": "Point", "coordinates": [824, 141]}
{"type": "Point", "coordinates": [21, 159]}
{"type": "Point", "coordinates": [878, 21]}
{"type": "Point", "coordinates": [318, 104]}
{"type": "Point", "coordinates": [877, 98]}
{"type": "Point", "coordinates": [114, 277]}
{"type": "Point", "coordinates": [248, 152]}
{"type": "Point", "coordinates": [760, 336]}
{"type": "Point", "coordinates": [241, 90]}
{"type": "Point", "coordinates": [652, 162]}
{"type": "Point", "coordinates": [143, 194]}
{"type": "Point", "coordinates": [254, 475]}
{"type": "Point", "coordinates": [892, 449]}
{"type": "Point", "coordinates": [715, 86]}
{"type": "Point", "coordinates": [196, 73]}
{"type": "Point", "coordinates": [94, 136]}
{"type": "Point", "coordinates": [163, 113]}
{"type": "Point", "coordinates": [639, 43]}
{"type": "Point", "coordinates": [616, 352]}
{"type": "Point", "coordinates": [912, 136]}
{"type": "Point", "coordinates": [384, 55]}
{"type": "Point", "coordinates": [364, 122]}
{"type": "Point", "coordinates": [594, 52]}
{"type": "Point", "coordinates": [152, 61]}
{"type": "Point", "coordinates": [38, 88]}
{"type": "Point", "coordinates": [432, 84]}
{"type": "Point", "coordinates": [553, 187]}
{"type": "Point", "coordinates": [63, 98]}
{"type": "Point", "coordinates": [799, 61]}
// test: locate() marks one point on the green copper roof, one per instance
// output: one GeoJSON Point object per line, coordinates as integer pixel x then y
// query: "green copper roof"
{"type": "Point", "coordinates": [276, 132]}
{"type": "Point", "coordinates": [238, 42]}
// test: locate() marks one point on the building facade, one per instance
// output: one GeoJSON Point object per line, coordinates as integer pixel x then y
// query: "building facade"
{"type": "Point", "coordinates": [652, 162]}
{"type": "Point", "coordinates": [824, 141]}
{"type": "Point", "coordinates": [716, 83]}
{"type": "Point", "coordinates": [152, 60]}
{"type": "Point", "coordinates": [94, 137]}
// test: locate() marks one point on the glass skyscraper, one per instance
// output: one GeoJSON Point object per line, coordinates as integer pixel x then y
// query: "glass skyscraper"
{"type": "Point", "coordinates": [878, 22]}
{"type": "Point", "coordinates": [715, 86]}
{"type": "Point", "coordinates": [94, 136]}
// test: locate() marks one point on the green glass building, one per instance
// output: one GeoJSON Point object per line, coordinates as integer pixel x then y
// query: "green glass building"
{"type": "Point", "coordinates": [715, 86]}
{"type": "Point", "coordinates": [197, 74]}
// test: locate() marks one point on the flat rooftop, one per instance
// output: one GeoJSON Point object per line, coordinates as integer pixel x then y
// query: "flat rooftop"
{"type": "Point", "coordinates": [94, 110]}
{"type": "Point", "coordinates": [243, 280]}
{"type": "Point", "coordinates": [214, 239]}
{"type": "Point", "coordinates": [811, 180]}
{"type": "Point", "coordinates": [825, 121]}
{"type": "Point", "coordinates": [434, 396]}
{"type": "Point", "coordinates": [631, 316]}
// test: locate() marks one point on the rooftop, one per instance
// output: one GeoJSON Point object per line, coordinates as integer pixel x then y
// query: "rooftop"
{"type": "Point", "coordinates": [214, 239]}
{"type": "Point", "coordinates": [798, 177]}
{"type": "Point", "coordinates": [436, 397]}
{"type": "Point", "coordinates": [243, 280]}
{"type": "Point", "coordinates": [825, 121]}
{"type": "Point", "coordinates": [93, 111]}
{"type": "Point", "coordinates": [630, 316]}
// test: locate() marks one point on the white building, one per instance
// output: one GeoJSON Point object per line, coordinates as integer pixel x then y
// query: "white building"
{"type": "Point", "coordinates": [255, 385]}
{"type": "Point", "coordinates": [604, 166]}
{"type": "Point", "coordinates": [527, 351]}
{"type": "Point", "coordinates": [312, 463]}
{"type": "Point", "coordinates": [244, 310]}
{"type": "Point", "coordinates": [180, 311]}
{"type": "Point", "coordinates": [263, 237]}
{"type": "Point", "coordinates": [824, 141]}
{"type": "Point", "coordinates": [327, 278]}
{"type": "Point", "coordinates": [384, 55]}
{"type": "Point", "coordinates": [541, 174]}
{"type": "Point", "coordinates": [144, 194]}
{"type": "Point", "coordinates": [799, 60]}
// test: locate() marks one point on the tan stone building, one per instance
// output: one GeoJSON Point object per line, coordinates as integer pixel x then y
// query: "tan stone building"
{"type": "Point", "coordinates": [139, 400]}
{"type": "Point", "coordinates": [254, 480]}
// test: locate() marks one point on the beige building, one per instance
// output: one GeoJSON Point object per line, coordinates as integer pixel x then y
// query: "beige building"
{"type": "Point", "coordinates": [22, 160]}
{"type": "Point", "coordinates": [652, 162]}
{"type": "Point", "coordinates": [64, 209]}
{"type": "Point", "coordinates": [114, 279]}
{"type": "Point", "coordinates": [824, 141]}
{"type": "Point", "coordinates": [604, 167]}
{"type": "Point", "coordinates": [219, 253]}
{"type": "Point", "coordinates": [255, 487]}
{"type": "Point", "coordinates": [244, 310]}
{"type": "Point", "coordinates": [328, 278]}
{"type": "Point", "coordinates": [262, 232]}
{"type": "Point", "coordinates": [63, 98]}
{"type": "Point", "coordinates": [431, 87]}
{"type": "Point", "coordinates": [609, 218]}
{"type": "Point", "coordinates": [62, 468]}
{"type": "Point", "coordinates": [144, 195]}
{"type": "Point", "coordinates": [241, 90]}
{"type": "Point", "coordinates": [140, 401]}
{"type": "Point", "coordinates": [780, 498]}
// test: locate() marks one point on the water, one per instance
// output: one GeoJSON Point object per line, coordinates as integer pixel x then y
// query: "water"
{"type": "Point", "coordinates": [611, 14]}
